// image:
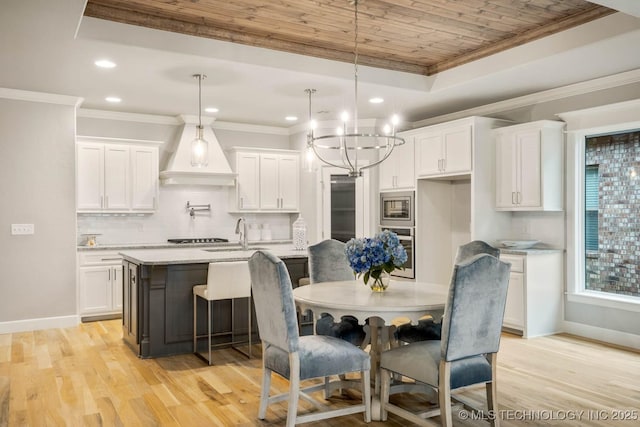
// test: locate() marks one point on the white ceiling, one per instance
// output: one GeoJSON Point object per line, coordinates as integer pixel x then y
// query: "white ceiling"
{"type": "Point", "coordinates": [49, 47]}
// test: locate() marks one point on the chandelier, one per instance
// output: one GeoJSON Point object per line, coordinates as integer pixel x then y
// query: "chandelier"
{"type": "Point", "coordinates": [199, 146]}
{"type": "Point", "coordinates": [349, 145]}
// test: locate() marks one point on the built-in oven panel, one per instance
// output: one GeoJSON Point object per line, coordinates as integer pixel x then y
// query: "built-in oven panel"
{"type": "Point", "coordinates": [397, 209]}
{"type": "Point", "coordinates": [406, 237]}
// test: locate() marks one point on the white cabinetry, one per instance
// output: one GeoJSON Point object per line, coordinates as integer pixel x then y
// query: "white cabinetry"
{"type": "Point", "coordinates": [444, 150]}
{"type": "Point", "coordinates": [248, 181]}
{"type": "Point", "coordinates": [268, 180]}
{"type": "Point", "coordinates": [99, 283]}
{"type": "Point", "coordinates": [116, 175]}
{"type": "Point", "coordinates": [398, 170]}
{"type": "Point", "coordinates": [454, 208]}
{"type": "Point", "coordinates": [534, 298]}
{"type": "Point", "coordinates": [529, 166]}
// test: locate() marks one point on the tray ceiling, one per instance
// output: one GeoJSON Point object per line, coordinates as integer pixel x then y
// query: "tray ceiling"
{"type": "Point", "coordinates": [415, 36]}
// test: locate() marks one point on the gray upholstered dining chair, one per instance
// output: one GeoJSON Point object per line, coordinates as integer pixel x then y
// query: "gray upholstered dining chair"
{"type": "Point", "coordinates": [328, 263]}
{"type": "Point", "coordinates": [467, 352]}
{"type": "Point", "coordinates": [296, 357]}
{"type": "Point", "coordinates": [429, 328]}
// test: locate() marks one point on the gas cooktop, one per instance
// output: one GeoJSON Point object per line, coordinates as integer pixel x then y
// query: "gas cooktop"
{"type": "Point", "coordinates": [199, 240]}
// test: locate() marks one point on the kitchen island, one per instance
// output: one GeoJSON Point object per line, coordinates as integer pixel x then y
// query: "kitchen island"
{"type": "Point", "coordinates": [157, 314]}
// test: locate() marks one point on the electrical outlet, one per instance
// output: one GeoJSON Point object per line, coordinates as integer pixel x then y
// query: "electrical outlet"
{"type": "Point", "coordinates": [22, 229]}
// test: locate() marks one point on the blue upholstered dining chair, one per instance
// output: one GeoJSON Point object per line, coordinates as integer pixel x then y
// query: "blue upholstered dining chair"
{"type": "Point", "coordinates": [467, 352]}
{"type": "Point", "coordinates": [431, 329]}
{"type": "Point", "coordinates": [328, 263]}
{"type": "Point", "coordinates": [294, 357]}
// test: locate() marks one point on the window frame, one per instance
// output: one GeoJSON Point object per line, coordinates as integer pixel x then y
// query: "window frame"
{"type": "Point", "coordinates": [582, 124]}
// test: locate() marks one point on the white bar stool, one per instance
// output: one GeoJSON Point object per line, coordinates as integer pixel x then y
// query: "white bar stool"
{"type": "Point", "coordinates": [225, 280]}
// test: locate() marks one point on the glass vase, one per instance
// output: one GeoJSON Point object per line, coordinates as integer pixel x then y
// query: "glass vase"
{"type": "Point", "coordinates": [381, 283]}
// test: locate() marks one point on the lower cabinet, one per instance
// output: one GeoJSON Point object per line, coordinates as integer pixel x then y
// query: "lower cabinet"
{"type": "Point", "coordinates": [158, 307]}
{"type": "Point", "coordinates": [100, 284]}
{"type": "Point", "coordinates": [535, 295]}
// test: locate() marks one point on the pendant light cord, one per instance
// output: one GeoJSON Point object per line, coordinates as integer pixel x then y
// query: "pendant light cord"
{"type": "Point", "coordinates": [355, 69]}
{"type": "Point", "coordinates": [199, 100]}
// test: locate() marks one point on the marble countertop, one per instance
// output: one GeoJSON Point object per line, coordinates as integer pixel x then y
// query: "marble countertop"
{"type": "Point", "coordinates": [222, 245]}
{"type": "Point", "coordinates": [530, 251]}
{"type": "Point", "coordinates": [206, 254]}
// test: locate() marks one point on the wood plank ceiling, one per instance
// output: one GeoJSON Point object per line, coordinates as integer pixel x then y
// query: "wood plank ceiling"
{"type": "Point", "coordinates": [416, 36]}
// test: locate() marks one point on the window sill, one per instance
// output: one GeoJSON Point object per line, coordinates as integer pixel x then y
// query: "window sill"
{"type": "Point", "coordinates": [603, 299]}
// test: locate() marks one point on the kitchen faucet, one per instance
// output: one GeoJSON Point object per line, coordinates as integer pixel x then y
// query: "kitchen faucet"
{"type": "Point", "coordinates": [243, 233]}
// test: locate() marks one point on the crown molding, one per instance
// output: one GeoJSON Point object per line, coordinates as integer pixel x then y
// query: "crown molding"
{"type": "Point", "coordinates": [245, 127]}
{"type": "Point", "coordinates": [47, 98]}
{"type": "Point", "coordinates": [178, 120]}
{"type": "Point", "coordinates": [129, 117]}
{"type": "Point", "coordinates": [621, 79]}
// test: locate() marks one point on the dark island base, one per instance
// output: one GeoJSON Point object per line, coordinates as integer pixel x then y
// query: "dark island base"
{"type": "Point", "coordinates": [157, 318]}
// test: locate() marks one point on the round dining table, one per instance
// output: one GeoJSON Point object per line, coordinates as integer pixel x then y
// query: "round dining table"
{"type": "Point", "coordinates": [402, 299]}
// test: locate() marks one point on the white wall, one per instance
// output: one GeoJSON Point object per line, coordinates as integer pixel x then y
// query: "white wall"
{"type": "Point", "coordinates": [37, 176]}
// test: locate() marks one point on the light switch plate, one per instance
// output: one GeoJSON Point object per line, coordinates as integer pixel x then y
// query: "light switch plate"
{"type": "Point", "coordinates": [22, 229]}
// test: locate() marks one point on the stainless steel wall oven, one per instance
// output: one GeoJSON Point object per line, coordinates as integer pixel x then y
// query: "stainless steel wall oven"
{"type": "Point", "coordinates": [407, 240]}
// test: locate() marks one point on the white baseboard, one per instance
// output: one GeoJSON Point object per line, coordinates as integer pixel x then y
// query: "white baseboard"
{"type": "Point", "coordinates": [601, 334]}
{"type": "Point", "coordinates": [38, 324]}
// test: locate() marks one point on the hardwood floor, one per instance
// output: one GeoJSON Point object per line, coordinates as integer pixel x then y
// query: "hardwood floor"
{"type": "Point", "coordinates": [86, 376]}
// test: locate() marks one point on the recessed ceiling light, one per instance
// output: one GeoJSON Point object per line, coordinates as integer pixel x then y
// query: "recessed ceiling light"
{"type": "Point", "coordinates": [291, 118]}
{"type": "Point", "coordinates": [105, 63]}
{"type": "Point", "coordinates": [376, 100]}
{"type": "Point", "coordinates": [113, 99]}
{"type": "Point", "coordinates": [211, 110]}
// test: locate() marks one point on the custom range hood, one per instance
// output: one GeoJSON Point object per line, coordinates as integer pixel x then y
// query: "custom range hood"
{"type": "Point", "coordinates": [179, 170]}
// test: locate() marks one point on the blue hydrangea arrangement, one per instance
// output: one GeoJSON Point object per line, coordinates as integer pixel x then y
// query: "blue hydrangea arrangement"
{"type": "Point", "coordinates": [370, 256]}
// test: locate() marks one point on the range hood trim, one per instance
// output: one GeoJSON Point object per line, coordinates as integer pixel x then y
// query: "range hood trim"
{"type": "Point", "coordinates": [197, 178]}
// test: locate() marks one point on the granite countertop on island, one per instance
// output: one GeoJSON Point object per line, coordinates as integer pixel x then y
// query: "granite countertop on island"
{"type": "Point", "coordinates": [166, 245]}
{"type": "Point", "coordinates": [206, 254]}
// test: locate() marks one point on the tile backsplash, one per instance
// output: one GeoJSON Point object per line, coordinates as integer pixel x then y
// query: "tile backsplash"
{"type": "Point", "coordinates": [172, 219]}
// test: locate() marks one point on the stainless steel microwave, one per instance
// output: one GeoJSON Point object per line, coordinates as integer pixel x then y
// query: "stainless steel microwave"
{"type": "Point", "coordinates": [397, 209]}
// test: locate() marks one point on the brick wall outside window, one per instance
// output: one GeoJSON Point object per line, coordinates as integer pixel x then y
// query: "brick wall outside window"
{"type": "Point", "coordinates": [615, 266]}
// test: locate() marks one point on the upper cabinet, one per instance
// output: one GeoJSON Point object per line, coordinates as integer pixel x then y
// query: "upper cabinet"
{"type": "Point", "coordinates": [116, 175]}
{"type": "Point", "coordinates": [397, 171]}
{"type": "Point", "coordinates": [268, 180]}
{"type": "Point", "coordinates": [444, 150]}
{"type": "Point", "coordinates": [529, 160]}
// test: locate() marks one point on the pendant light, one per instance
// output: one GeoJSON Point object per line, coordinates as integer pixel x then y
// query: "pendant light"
{"type": "Point", "coordinates": [349, 143]}
{"type": "Point", "coordinates": [199, 146]}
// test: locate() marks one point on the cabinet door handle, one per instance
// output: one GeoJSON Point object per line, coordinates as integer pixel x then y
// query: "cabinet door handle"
{"type": "Point", "coordinates": [109, 276]}
{"type": "Point", "coordinates": [444, 165]}
{"type": "Point", "coordinates": [111, 259]}
{"type": "Point", "coordinates": [513, 193]}
{"type": "Point", "coordinates": [519, 197]}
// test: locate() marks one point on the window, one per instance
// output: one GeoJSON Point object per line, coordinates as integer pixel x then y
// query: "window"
{"type": "Point", "coordinates": [612, 223]}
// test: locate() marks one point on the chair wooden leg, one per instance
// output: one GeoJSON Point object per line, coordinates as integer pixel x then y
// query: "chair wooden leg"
{"type": "Point", "coordinates": [264, 392]}
{"type": "Point", "coordinates": [294, 389]}
{"type": "Point", "coordinates": [366, 394]}
{"type": "Point", "coordinates": [444, 394]}
{"type": "Point", "coordinates": [385, 377]}
{"type": "Point", "coordinates": [492, 391]}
